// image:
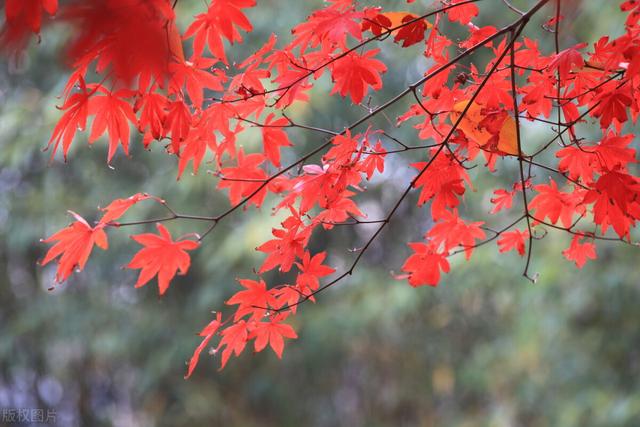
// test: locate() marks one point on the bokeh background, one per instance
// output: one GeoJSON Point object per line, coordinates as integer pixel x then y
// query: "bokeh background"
{"type": "Point", "coordinates": [485, 348]}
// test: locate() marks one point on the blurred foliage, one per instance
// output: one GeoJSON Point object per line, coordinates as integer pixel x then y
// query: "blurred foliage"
{"type": "Point", "coordinates": [486, 348]}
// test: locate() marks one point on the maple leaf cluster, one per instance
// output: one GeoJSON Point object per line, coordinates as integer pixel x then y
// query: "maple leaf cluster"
{"type": "Point", "coordinates": [134, 71]}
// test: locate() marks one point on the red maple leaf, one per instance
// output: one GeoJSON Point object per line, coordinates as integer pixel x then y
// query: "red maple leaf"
{"type": "Point", "coordinates": [76, 109]}
{"type": "Point", "coordinates": [118, 207]}
{"type": "Point", "coordinates": [127, 37]}
{"type": "Point", "coordinates": [245, 178]}
{"type": "Point", "coordinates": [178, 123]}
{"type": "Point", "coordinates": [374, 161]}
{"type": "Point", "coordinates": [288, 296]}
{"type": "Point", "coordinates": [29, 11]}
{"type": "Point", "coordinates": [195, 76]}
{"type": "Point", "coordinates": [161, 256]}
{"type": "Point", "coordinates": [443, 181]}
{"type": "Point", "coordinates": [328, 27]}
{"type": "Point", "coordinates": [614, 152]}
{"type": "Point", "coordinates": [555, 204]}
{"type": "Point", "coordinates": [254, 300]}
{"type": "Point", "coordinates": [271, 333]}
{"type": "Point", "coordinates": [616, 200]}
{"type": "Point", "coordinates": [411, 33]}
{"type": "Point", "coordinates": [502, 199]}
{"type": "Point", "coordinates": [536, 97]}
{"type": "Point", "coordinates": [194, 146]}
{"type": "Point", "coordinates": [463, 13]}
{"type": "Point", "coordinates": [234, 339]}
{"type": "Point", "coordinates": [612, 105]}
{"type": "Point", "coordinates": [311, 269]}
{"type": "Point", "coordinates": [113, 115]}
{"type": "Point", "coordinates": [451, 231]}
{"type": "Point", "coordinates": [207, 332]}
{"type": "Point", "coordinates": [577, 162]}
{"type": "Point", "coordinates": [274, 137]}
{"type": "Point", "coordinates": [74, 245]}
{"type": "Point", "coordinates": [567, 60]}
{"type": "Point", "coordinates": [152, 107]}
{"type": "Point", "coordinates": [288, 244]}
{"type": "Point", "coordinates": [424, 265]}
{"type": "Point", "coordinates": [510, 240]}
{"type": "Point", "coordinates": [222, 19]}
{"type": "Point", "coordinates": [23, 17]}
{"type": "Point", "coordinates": [633, 7]}
{"type": "Point", "coordinates": [354, 72]}
{"type": "Point", "coordinates": [580, 252]}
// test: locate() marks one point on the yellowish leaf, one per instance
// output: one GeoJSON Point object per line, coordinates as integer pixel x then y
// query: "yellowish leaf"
{"type": "Point", "coordinates": [475, 132]}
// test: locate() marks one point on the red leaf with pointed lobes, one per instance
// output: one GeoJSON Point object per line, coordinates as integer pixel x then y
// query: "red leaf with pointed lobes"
{"type": "Point", "coordinates": [353, 74]}
{"type": "Point", "coordinates": [245, 179]}
{"type": "Point", "coordinates": [443, 181]}
{"type": "Point", "coordinates": [556, 205]}
{"type": "Point", "coordinates": [194, 147]}
{"type": "Point", "coordinates": [376, 22]}
{"type": "Point", "coordinates": [409, 34]}
{"type": "Point", "coordinates": [579, 252]}
{"type": "Point", "coordinates": [462, 14]}
{"type": "Point", "coordinates": [129, 38]}
{"type": "Point", "coordinates": [342, 149]}
{"type": "Point", "coordinates": [375, 160]}
{"type": "Point", "coordinates": [311, 269]}
{"type": "Point", "coordinates": [208, 332]}
{"type": "Point", "coordinates": [161, 256]}
{"type": "Point", "coordinates": [288, 296]}
{"type": "Point", "coordinates": [536, 97]}
{"type": "Point", "coordinates": [284, 249]}
{"type": "Point", "coordinates": [74, 119]}
{"type": "Point", "coordinates": [29, 12]}
{"type": "Point", "coordinates": [328, 27]}
{"type": "Point", "coordinates": [74, 245]}
{"type": "Point", "coordinates": [502, 199]}
{"type": "Point", "coordinates": [633, 7]}
{"type": "Point", "coordinates": [222, 19]}
{"type": "Point", "coordinates": [424, 265]}
{"type": "Point", "coordinates": [612, 106]}
{"type": "Point", "coordinates": [477, 35]}
{"type": "Point", "coordinates": [152, 107]}
{"type": "Point", "coordinates": [577, 163]}
{"type": "Point", "coordinates": [271, 333]}
{"type": "Point", "coordinates": [412, 33]}
{"type": "Point", "coordinates": [567, 60]}
{"type": "Point", "coordinates": [178, 123]}
{"type": "Point", "coordinates": [254, 300]}
{"type": "Point", "coordinates": [195, 76]}
{"type": "Point", "coordinates": [510, 240]}
{"type": "Point", "coordinates": [614, 153]}
{"type": "Point", "coordinates": [451, 231]}
{"type": "Point", "coordinates": [113, 115]}
{"type": "Point", "coordinates": [616, 202]}
{"type": "Point", "coordinates": [339, 211]}
{"type": "Point", "coordinates": [118, 207]}
{"type": "Point", "coordinates": [234, 340]}
{"type": "Point", "coordinates": [274, 137]}
{"type": "Point", "coordinates": [22, 19]}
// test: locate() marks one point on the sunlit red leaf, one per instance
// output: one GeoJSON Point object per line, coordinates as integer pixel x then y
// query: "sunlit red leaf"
{"type": "Point", "coordinates": [355, 73]}
{"type": "Point", "coordinates": [272, 333]}
{"type": "Point", "coordinates": [510, 240]}
{"type": "Point", "coordinates": [208, 333]}
{"type": "Point", "coordinates": [425, 264]}
{"type": "Point", "coordinates": [579, 252]}
{"type": "Point", "coordinates": [161, 256]}
{"type": "Point", "coordinates": [74, 245]}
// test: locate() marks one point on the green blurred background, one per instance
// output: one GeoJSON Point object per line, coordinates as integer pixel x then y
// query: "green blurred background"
{"type": "Point", "coordinates": [486, 348]}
